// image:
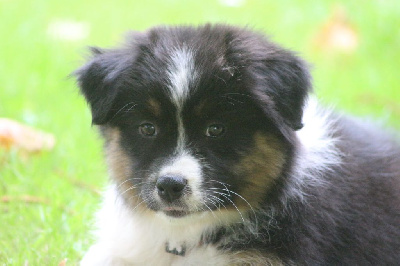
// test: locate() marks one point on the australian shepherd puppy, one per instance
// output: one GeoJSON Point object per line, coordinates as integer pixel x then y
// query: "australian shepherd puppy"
{"type": "Point", "coordinates": [219, 156]}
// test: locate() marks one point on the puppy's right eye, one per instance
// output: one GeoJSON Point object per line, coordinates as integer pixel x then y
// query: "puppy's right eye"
{"type": "Point", "coordinates": [147, 130]}
{"type": "Point", "coordinates": [215, 130]}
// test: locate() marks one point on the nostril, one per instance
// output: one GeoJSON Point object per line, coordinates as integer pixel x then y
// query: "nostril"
{"type": "Point", "coordinates": [170, 187]}
{"type": "Point", "coordinates": [177, 189]}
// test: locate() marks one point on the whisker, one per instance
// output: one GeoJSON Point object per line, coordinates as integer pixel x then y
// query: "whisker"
{"type": "Point", "coordinates": [205, 204]}
{"type": "Point", "coordinates": [251, 207]}
{"type": "Point", "coordinates": [127, 180]}
{"type": "Point", "coordinates": [223, 185]}
{"type": "Point", "coordinates": [237, 94]}
{"type": "Point", "coordinates": [233, 99]}
{"type": "Point", "coordinates": [215, 204]}
{"type": "Point", "coordinates": [234, 205]}
{"type": "Point", "coordinates": [220, 78]}
{"type": "Point", "coordinates": [220, 201]}
{"type": "Point", "coordinates": [221, 193]}
{"type": "Point", "coordinates": [233, 192]}
{"type": "Point", "coordinates": [137, 205]}
{"type": "Point", "coordinates": [128, 189]}
{"type": "Point", "coordinates": [123, 107]}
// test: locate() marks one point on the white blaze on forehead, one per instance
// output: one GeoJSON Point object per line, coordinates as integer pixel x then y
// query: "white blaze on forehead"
{"type": "Point", "coordinates": [181, 74]}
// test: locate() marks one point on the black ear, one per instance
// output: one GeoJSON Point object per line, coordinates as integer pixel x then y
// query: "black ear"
{"type": "Point", "coordinates": [283, 85]}
{"type": "Point", "coordinates": [100, 82]}
{"type": "Point", "coordinates": [290, 83]}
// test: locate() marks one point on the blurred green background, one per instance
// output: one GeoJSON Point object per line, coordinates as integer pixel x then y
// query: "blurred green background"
{"type": "Point", "coordinates": [47, 200]}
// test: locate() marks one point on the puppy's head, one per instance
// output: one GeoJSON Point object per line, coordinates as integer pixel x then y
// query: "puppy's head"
{"type": "Point", "coordinates": [196, 119]}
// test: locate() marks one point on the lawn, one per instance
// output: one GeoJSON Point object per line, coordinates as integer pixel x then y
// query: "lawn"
{"type": "Point", "coordinates": [47, 200]}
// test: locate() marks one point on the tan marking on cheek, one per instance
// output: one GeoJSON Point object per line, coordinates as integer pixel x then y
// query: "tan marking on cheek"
{"type": "Point", "coordinates": [253, 257]}
{"type": "Point", "coordinates": [120, 167]}
{"type": "Point", "coordinates": [155, 107]}
{"type": "Point", "coordinates": [259, 168]}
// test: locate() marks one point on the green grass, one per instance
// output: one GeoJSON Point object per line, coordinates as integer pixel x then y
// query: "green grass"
{"type": "Point", "coordinates": [35, 90]}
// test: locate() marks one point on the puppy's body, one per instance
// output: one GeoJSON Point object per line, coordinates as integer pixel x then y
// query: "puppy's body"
{"type": "Point", "coordinates": [211, 165]}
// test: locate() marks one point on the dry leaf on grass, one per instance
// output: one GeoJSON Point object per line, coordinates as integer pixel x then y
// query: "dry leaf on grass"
{"type": "Point", "coordinates": [15, 134]}
{"type": "Point", "coordinates": [63, 262]}
{"type": "Point", "coordinates": [24, 199]}
{"type": "Point", "coordinates": [337, 33]}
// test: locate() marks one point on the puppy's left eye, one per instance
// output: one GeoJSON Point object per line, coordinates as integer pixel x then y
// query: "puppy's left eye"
{"type": "Point", "coordinates": [215, 130]}
{"type": "Point", "coordinates": [147, 130]}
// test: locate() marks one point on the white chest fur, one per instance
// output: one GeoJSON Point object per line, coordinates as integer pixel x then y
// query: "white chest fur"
{"type": "Point", "coordinates": [125, 237]}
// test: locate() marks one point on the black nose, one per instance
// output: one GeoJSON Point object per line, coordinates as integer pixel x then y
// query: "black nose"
{"type": "Point", "coordinates": [170, 187]}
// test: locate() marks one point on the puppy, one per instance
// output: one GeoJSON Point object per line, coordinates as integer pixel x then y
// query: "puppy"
{"type": "Point", "coordinates": [218, 156]}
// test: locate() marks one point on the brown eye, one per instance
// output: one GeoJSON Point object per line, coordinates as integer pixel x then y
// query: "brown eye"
{"type": "Point", "coordinates": [147, 130]}
{"type": "Point", "coordinates": [215, 130]}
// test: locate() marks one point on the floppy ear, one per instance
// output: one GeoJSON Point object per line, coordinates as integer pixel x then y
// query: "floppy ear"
{"type": "Point", "coordinates": [284, 83]}
{"type": "Point", "coordinates": [100, 82]}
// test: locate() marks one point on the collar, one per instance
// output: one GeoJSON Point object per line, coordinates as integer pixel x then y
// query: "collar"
{"type": "Point", "coordinates": [178, 249]}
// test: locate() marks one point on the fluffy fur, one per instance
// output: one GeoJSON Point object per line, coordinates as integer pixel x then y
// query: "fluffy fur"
{"type": "Point", "coordinates": [218, 157]}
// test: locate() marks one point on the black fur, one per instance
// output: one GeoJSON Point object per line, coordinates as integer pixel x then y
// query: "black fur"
{"type": "Point", "coordinates": [353, 218]}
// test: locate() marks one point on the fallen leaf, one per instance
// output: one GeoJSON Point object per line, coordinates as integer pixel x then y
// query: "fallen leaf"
{"type": "Point", "coordinates": [25, 199]}
{"type": "Point", "coordinates": [337, 33]}
{"type": "Point", "coordinates": [63, 262]}
{"type": "Point", "coordinates": [15, 134]}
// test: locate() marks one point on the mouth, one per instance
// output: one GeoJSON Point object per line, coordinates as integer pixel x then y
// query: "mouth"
{"type": "Point", "coordinates": [175, 212]}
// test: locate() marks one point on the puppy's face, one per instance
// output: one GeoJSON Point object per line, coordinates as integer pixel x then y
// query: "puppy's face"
{"type": "Point", "coordinates": [196, 119]}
